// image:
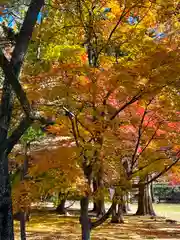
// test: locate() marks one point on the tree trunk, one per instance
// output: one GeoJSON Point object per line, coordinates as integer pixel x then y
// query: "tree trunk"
{"type": "Point", "coordinates": [99, 206]}
{"type": "Point", "coordinates": [128, 197]}
{"type": "Point", "coordinates": [6, 219]}
{"type": "Point", "coordinates": [145, 206]}
{"type": "Point", "coordinates": [84, 218]}
{"type": "Point", "coordinates": [152, 192]}
{"type": "Point", "coordinates": [23, 225]}
{"type": "Point", "coordinates": [120, 214]}
{"type": "Point", "coordinates": [114, 218]}
{"type": "Point", "coordinates": [117, 216]}
{"type": "Point", "coordinates": [94, 201]}
{"type": "Point", "coordinates": [61, 207]}
{"type": "Point", "coordinates": [126, 203]}
{"type": "Point", "coordinates": [94, 209]}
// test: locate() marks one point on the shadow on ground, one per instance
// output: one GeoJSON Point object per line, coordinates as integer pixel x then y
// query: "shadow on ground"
{"type": "Point", "coordinates": [46, 225]}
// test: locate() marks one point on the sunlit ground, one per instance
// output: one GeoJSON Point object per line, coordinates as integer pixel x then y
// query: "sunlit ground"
{"type": "Point", "coordinates": [171, 211]}
{"type": "Point", "coordinates": [48, 225]}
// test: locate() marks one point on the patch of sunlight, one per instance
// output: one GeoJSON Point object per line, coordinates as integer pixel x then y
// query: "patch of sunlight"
{"type": "Point", "coordinates": [169, 229]}
{"type": "Point", "coordinates": [46, 226]}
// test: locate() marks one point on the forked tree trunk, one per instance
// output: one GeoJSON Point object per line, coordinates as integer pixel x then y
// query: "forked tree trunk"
{"type": "Point", "coordinates": [145, 206]}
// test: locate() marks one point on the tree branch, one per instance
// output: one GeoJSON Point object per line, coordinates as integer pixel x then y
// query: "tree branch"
{"type": "Point", "coordinates": [133, 99]}
{"type": "Point", "coordinates": [16, 62]}
{"type": "Point", "coordinates": [147, 165]}
{"type": "Point", "coordinates": [16, 135]}
{"type": "Point", "coordinates": [13, 81]}
{"type": "Point", "coordinates": [102, 219]}
{"type": "Point", "coordinates": [139, 137]}
{"type": "Point", "coordinates": [166, 169]}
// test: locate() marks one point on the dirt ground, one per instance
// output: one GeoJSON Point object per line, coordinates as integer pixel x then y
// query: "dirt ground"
{"type": "Point", "coordinates": [47, 225]}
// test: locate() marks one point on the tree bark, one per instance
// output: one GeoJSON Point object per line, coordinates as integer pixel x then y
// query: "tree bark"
{"type": "Point", "coordinates": [94, 201]}
{"type": "Point", "coordinates": [100, 203]}
{"type": "Point", "coordinates": [84, 218]}
{"type": "Point", "coordinates": [23, 225]}
{"type": "Point", "coordinates": [126, 203]}
{"type": "Point", "coordinates": [6, 221]}
{"type": "Point", "coordinates": [24, 215]}
{"type": "Point", "coordinates": [152, 192]}
{"type": "Point", "coordinates": [120, 214]}
{"type": "Point", "coordinates": [114, 214]}
{"type": "Point", "coordinates": [84, 203]}
{"type": "Point", "coordinates": [99, 206]}
{"type": "Point", "coordinates": [61, 207]}
{"type": "Point", "coordinates": [6, 218]}
{"type": "Point", "coordinates": [145, 206]}
{"type": "Point", "coordinates": [117, 215]}
{"type": "Point", "coordinates": [128, 196]}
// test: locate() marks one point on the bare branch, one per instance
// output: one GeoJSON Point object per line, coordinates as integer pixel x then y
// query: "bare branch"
{"type": "Point", "coordinates": [139, 137]}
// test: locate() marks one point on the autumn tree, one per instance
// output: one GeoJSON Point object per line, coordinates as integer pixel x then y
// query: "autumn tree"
{"type": "Point", "coordinates": [114, 80]}
{"type": "Point", "coordinates": [11, 85]}
{"type": "Point", "coordinates": [147, 136]}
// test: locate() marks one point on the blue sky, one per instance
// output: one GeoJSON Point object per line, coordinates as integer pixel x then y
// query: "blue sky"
{"type": "Point", "coordinates": [12, 20]}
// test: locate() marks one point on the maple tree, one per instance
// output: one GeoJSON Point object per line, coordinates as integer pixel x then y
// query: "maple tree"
{"type": "Point", "coordinates": [98, 74]}
{"type": "Point", "coordinates": [140, 70]}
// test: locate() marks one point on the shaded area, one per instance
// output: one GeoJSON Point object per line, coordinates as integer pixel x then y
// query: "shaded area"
{"type": "Point", "coordinates": [46, 224]}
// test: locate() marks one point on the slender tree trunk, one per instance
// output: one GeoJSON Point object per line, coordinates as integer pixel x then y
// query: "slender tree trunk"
{"type": "Point", "coordinates": [99, 206]}
{"type": "Point", "coordinates": [120, 214]}
{"type": "Point", "coordinates": [100, 203]}
{"type": "Point", "coordinates": [23, 225]}
{"type": "Point", "coordinates": [25, 214]}
{"type": "Point", "coordinates": [84, 218]}
{"type": "Point", "coordinates": [6, 219]}
{"type": "Point", "coordinates": [128, 197]}
{"type": "Point", "coordinates": [152, 192]}
{"type": "Point", "coordinates": [145, 206]}
{"type": "Point", "coordinates": [94, 201]}
{"type": "Point", "coordinates": [124, 203]}
{"type": "Point", "coordinates": [85, 221]}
